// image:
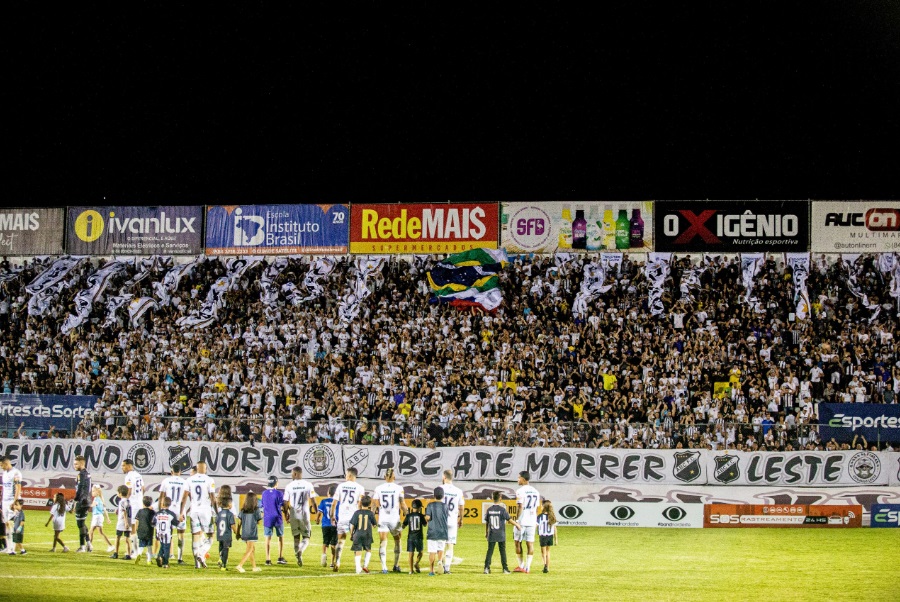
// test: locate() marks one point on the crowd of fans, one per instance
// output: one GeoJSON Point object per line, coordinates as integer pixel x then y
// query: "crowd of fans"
{"type": "Point", "coordinates": [712, 371]}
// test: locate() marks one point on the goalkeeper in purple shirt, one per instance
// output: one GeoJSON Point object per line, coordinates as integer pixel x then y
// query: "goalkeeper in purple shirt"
{"type": "Point", "coordinates": [273, 520]}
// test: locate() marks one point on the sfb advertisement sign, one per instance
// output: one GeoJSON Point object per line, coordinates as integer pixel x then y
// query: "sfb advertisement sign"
{"type": "Point", "coordinates": [731, 226]}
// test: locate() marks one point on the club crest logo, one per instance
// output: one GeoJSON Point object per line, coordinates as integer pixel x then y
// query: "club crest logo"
{"type": "Point", "coordinates": [180, 458]}
{"type": "Point", "coordinates": [687, 466]}
{"type": "Point", "coordinates": [142, 457]}
{"type": "Point", "coordinates": [864, 467]}
{"type": "Point", "coordinates": [318, 461]}
{"type": "Point", "coordinates": [359, 459]}
{"type": "Point", "coordinates": [727, 469]}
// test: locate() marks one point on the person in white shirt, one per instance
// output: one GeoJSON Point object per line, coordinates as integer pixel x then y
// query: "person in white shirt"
{"type": "Point", "coordinates": [527, 499]}
{"type": "Point", "coordinates": [454, 500]}
{"type": "Point", "coordinates": [200, 492]}
{"type": "Point", "coordinates": [12, 490]}
{"type": "Point", "coordinates": [299, 500]}
{"type": "Point", "coordinates": [135, 483]}
{"type": "Point", "coordinates": [346, 498]}
{"type": "Point", "coordinates": [391, 507]}
{"type": "Point", "coordinates": [173, 487]}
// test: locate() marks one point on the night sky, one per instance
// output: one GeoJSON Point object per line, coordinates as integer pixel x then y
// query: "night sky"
{"type": "Point", "coordinates": [159, 106]}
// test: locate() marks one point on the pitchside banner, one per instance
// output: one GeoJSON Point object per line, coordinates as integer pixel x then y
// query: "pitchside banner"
{"type": "Point", "coordinates": [421, 228]}
{"type": "Point", "coordinates": [276, 229]}
{"type": "Point", "coordinates": [856, 227]}
{"type": "Point", "coordinates": [798, 468]}
{"type": "Point", "coordinates": [731, 226]}
{"type": "Point", "coordinates": [885, 516]}
{"type": "Point", "coordinates": [124, 230]}
{"type": "Point", "coordinates": [617, 514]}
{"type": "Point", "coordinates": [318, 461]}
{"type": "Point", "coordinates": [588, 226]}
{"type": "Point", "coordinates": [875, 421]}
{"type": "Point", "coordinates": [782, 515]}
{"type": "Point", "coordinates": [40, 412]}
{"type": "Point", "coordinates": [31, 231]}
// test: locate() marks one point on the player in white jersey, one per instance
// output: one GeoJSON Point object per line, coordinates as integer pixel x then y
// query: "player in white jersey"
{"type": "Point", "coordinates": [391, 507]}
{"type": "Point", "coordinates": [454, 500]}
{"type": "Point", "coordinates": [299, 499]}
{"type": "Point", "coordinates": [173, 487]}
{"type": "Point", "coordinates": [12, 490]}
{"type": "Point", "coordinates": [346, 498]}
{"type": "Point", "coordinates": [201, 492]}
{"type": "Point", "coordinates": [528, 501]}
{"type": "Point", "coordinates": [135, 483]}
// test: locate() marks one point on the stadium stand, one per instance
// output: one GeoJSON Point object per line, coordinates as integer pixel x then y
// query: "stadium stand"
{"type": "Point", "coordinates": [275, 362]}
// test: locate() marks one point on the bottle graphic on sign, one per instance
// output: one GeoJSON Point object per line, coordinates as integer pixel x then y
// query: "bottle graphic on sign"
{"type": "Point", "coordinates": [594, 230]}
{"type": "Point", "coordinates": [623, 230]}
{"type": "Point", "coordinates": [637, 229]}
{"type": "Point", "coordinates": [609, 228]}
{"type": "Point", "coordinates": [579, 229]}
{"type": "Point", "coordinates": [565, 229]}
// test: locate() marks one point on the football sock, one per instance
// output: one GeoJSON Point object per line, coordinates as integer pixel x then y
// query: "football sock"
{"type": "Point", "coordinates": [324, 558]}
{"type": "Point", "coordinates": [368, 558]}
{"type": "Point", "coordinates": [528, 562]}
{"type": "Point", "coordinates": [340, 552]}
{"type": "Point", "coordinates": [195, 549]}
{"type": "Point", "coordinates": [396, 553]}
{"type": "Point", "coordinates": [382, 554]}
{"type": "Point", "coordinates": [521, 561]}
{"type": "Point", "coordinates": [303, 545]}
{"type": "Point", "coordinates": [149, 553]}
{"type": "Point", "coordinates": [180, 548]}
{"type": "Point", "coordinates": [448, 557]}
{"type": "Point", "coordinates": [358, 563]}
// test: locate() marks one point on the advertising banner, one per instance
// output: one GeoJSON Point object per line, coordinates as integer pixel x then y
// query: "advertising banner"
{"type": "Point", "coordinates": [40, 498]}
{"type": "Point", "coordinates": [423, 228]}
{"type": "Point", "coordinates": [125, 230]}
{"type": "Point", "coordinates": [629, 514]}
{"type": "Point", "coordinates": [572, 226]}
{"type": "Point", "coordinates": [27, 231]}
{"type": "Point", "coordinates": [546, 465]}
{"type": "Point", "coordinates": [40, 412]}
{"type": "Point", "coordinates": [157, 457]}
{"type": "Point", "coordinates": [782, 515]}
{"type": "Point", "coordinates": [276, 229]}
{"type": "Point", "coordinates": [731, 226]}
{"type": "Point", "coordinates": [855, 226]}
{"type": "Point", "coordinates": [798, 468]}
{"type": "Point", "coordinates": [877, 422]}
{"type": "Point", "coordinates": [885, 516]}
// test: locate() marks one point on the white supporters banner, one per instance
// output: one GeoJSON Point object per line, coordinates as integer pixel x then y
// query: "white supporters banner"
{"type": "Point", "coordinates": [157, 457]}
{"type": "Point", "coordinates": [672, 470]}
{"type": "Point", "coordinates": [800, 468]}
{"type": "Point", "coordinates": [750, 266]}
{"type": "Point", "coordinates": [799, 264]}
{"type": "Point", "coordinates": [629, 514]}
{"type": "Point", "coordinates": [546, 465]}
{"type": "Point", "coordinates": [657, 270]}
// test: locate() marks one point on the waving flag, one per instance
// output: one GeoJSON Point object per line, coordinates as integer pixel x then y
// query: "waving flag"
{"type": "Point", "coordinates": [469, 279]}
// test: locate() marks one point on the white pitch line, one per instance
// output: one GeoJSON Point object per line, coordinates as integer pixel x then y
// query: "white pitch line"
{"type": "Point", "coordinates": [169, 578]}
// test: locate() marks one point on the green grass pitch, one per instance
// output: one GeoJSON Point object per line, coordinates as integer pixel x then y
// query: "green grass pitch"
{"type": "Point", "coordinates": [588, 564]}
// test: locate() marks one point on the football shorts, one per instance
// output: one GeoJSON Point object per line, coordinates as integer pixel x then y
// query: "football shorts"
{"type": "Point", "coordinates": [390, 526]}
{"type": "Point", "coordinates": [300, 527]}
{"type": "Point", "coordinates": [436, 545]}
{"type": "Point", "coordinates": [201, 520]}
{"type": "Point", "coordinates": [524, 534]}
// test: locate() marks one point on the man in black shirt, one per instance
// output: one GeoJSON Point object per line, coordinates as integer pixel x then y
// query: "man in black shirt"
{"type": "Point", "coordinates": [82, 503]}
{"type": "Point", "coordinates": [495, 519]}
